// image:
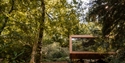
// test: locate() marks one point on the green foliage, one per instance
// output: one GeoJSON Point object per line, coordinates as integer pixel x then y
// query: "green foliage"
{"type": "Point", "coordinates": [14, 53]}
{"type": "Point", "coordinates": [62, 21]}
{"type": "Point", "coordinates": [110, 14]}
{"type": "Point", "coordinates": [19, 28]}
{"type": "Point", "coordinates": [54, 52]}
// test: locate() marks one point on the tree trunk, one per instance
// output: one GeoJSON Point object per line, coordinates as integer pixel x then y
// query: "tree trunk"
{"type": "Point", "coordinates": [33, 54]}
{"type": "Point", "coordinates": [32, 60]}
{"type": "Point", "coordinates": [36, 55]}
{"type": "Point", "coordinates": [41, 30]}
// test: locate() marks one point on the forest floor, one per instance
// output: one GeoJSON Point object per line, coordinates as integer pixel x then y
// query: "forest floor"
{"type": "Point", "coordinates": [56, 62]}
{"type": "Point", "coordinates": [62, 62]}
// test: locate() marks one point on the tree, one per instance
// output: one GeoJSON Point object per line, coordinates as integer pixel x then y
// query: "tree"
{"type": "Point", "coordinates": [110, 13]}
{"type": "Point", "coordinates": [18, 25]}
{"type": "Point", "coordinates": [61, 20]}
{"type": "Point", "coordinates": [36, 55]}
{"type": "Point", "coordinates": [41, 29]}
{"type": "Point", "coordinates": [25, 25]}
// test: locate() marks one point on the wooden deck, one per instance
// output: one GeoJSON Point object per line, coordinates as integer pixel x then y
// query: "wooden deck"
{"type": "Point", "coordinates": [86, 54]}
{"type": "Point", "coordinates": [89, 55]}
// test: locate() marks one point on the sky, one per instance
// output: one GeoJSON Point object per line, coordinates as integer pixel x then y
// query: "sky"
{"type": "Point", "coordinates": [83, 5]}
{"type": "Point", "coordinates": [84, 8]}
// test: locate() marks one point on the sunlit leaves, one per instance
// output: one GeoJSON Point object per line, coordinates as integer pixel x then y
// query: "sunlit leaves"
{"type": "Point", "coordinates": [20, 28]}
